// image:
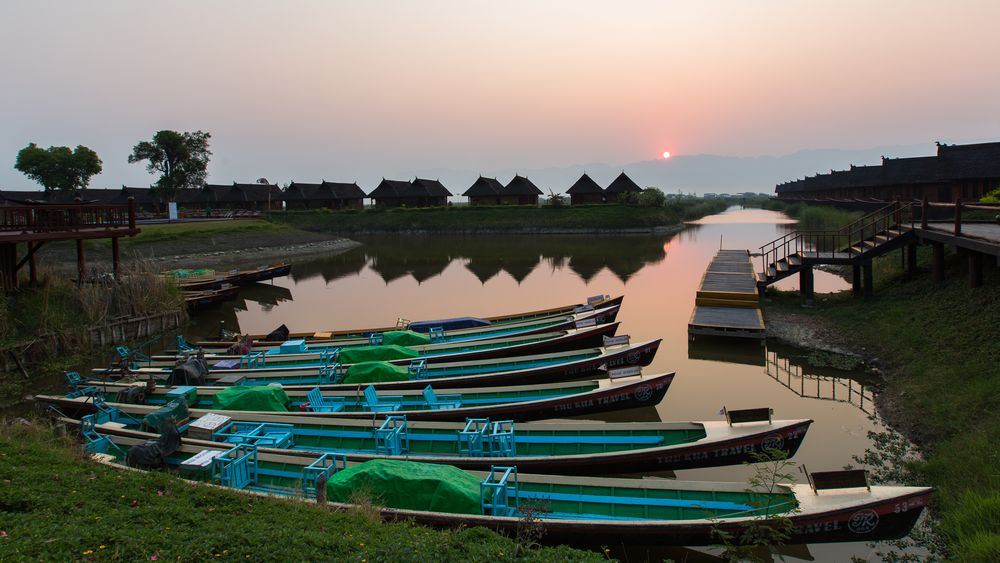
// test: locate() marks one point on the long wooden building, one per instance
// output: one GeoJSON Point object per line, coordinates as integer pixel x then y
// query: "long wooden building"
{"type": "Point", "coordinates": [417, 193]}
{"type": "Point", "coordinates": [965, 172]}
{"type": "Point", "coordinates": [329, 195]}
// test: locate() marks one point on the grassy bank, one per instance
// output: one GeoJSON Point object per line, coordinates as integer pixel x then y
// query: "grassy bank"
{"type": "Point", "coordinates": [57, 506]}
{"type": "Point", "coordinates": [812, 217]}
{"type": "Point", "coordinates": [498, 218]}
{"type": "Point", "coordinates": [940, 347]}
{"type": "Point", "coordinates": [197, 232]}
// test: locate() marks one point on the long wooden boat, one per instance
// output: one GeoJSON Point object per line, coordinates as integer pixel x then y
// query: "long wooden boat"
{"type": "Point", "coordinates": [568, 448]}
{"type": "Point", "coordinates": [215, 280]}
{"type": "Point", "coordinates": [451, 325]}
{"type": "Point", "coordinates": [604, 511]}
{"type": "Point", "coordinates": [517, 370]}
{"type": "Point", "coordinates": [515, 345]}
{"type": "Point", "coordinates": [519, 403]}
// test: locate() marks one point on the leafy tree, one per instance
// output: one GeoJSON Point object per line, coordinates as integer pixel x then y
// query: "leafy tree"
{"type": "Point", "coordinates": [181, 159]}
{"type": "Point", "coordinates": [58, 168]}
{"type": "Point", "coordinates": [652, 197]}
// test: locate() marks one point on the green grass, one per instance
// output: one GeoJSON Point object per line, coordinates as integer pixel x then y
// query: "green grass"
{"type": "Point", "coordinates": [196, 231]}
{"type": "Point", "coordinates": [57, 506]}
{"type": "Point", "coordinates": [498, 218]}
{"type": "Point", "coordinates": [813, 217]}
{"type": "Point", "coordinates": [941, 345]}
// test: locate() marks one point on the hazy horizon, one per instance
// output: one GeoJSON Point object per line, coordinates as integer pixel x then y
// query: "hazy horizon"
{"type": "Point", "coordinates": [311, 90]}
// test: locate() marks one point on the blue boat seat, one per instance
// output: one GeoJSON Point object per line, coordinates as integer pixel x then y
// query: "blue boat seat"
{"type": "Point", "coordinates": [73, 379]}
{"type": "Point", "coordinates": [319, 403]}
{"type": "Point", "coordinates": [500, 439]}
{"type": "Point", "coordinates": [375, 339]}
{"type": "Point", "coordinates": [436, 333]}
{"type": "Point", "coordinates": [443, 402]}
{"type": "Point", "coordinates": [94, 442]}
{"type": "Point", "coordinates": [392, 437]}
{"type": "Point", "coordinates": [417, 369]}
{"type": "Point", "coordinates": [325, 465]}
{"type": "Point", "coordinates": [253, 360]}
{"type": "Point", "coordinates": [183, 346]}
{"type": "Point", "coordinates": [472, 438]}
{"type": "Point", "coordinates": [375, 403]}
{"type": "Point", "coordinates": [236, 468]}
{"type": "Point", "coordinates": [260, 434]}
{"type": "Point", "coordinates": [497, 490]}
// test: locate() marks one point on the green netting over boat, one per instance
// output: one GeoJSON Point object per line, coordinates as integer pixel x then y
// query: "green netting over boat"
{"type": "Point", "coordinates": [373, 372]}
{"type": "Point", "coordinates": [177, 409]}
{"type": "Point", "coordinates": [356, 354]}
{"type": "Point", "coordinates": [252, 398]}
{"type": "Point", "coordinates": [405, 338]}
{"type": "Point", "coordinates": [408, 485]}
{"type": "Point", "coordinates": [191, 273]}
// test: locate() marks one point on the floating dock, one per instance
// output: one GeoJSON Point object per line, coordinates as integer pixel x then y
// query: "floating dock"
{"type": "Point", "coordinates": [727, 303]}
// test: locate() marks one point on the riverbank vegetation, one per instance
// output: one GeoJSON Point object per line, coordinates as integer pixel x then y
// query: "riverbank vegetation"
{"type": "Point", "coordinates": [57, 506]}
{"type": "Point", "coordinates": [809, 216]}
{"type": "Point", "coordinates": [499, 219]}
{"type": "Point", "coordinates": [939, 346]}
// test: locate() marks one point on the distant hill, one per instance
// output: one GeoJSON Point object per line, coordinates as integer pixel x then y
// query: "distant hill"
{"type": "Point", "coordinates": [697, 174]}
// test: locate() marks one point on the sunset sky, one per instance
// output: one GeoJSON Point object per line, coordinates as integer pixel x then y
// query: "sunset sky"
{"type": "Point", "coordinates": [336, 90]}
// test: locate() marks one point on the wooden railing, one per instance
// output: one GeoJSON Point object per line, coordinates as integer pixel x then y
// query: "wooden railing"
{"type": "Point", "coordinates": [67, 217]}
{"type": "Point", "coordinates": [846, 242]}
{"type": "Point", "coordinates": [957, 210]}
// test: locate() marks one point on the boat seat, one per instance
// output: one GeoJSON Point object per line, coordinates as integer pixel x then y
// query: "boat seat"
{"type": "Point", "coordinates": [375, 403]}
{"type": "Point", "coordinates": [443, 402]}
{"type": "Point", "coordinates": [322, 335]}
{"type": "Point", "coordinates": [392, 438]}
{"type": "Point", "coordinates": [319, 403]}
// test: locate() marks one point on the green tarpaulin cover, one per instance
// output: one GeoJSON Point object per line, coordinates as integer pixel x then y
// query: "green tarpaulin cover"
{"type": "Point", "coordinates": [405, 338]}
{"type": "Point", "coordinates": [373, 372]}
{"type": "Point", "coordinates": [191, 273]}
{"type": "Point", "coordinates": [356, 354]}
{"type": "Point", "coordinates": [252, 398]}
{"type": "Point", "coordinates": [177, 409]}
{"type": "Point", "coordinates": [408, 485]}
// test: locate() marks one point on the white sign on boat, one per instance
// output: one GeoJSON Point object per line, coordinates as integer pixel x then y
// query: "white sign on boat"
{"type": "Point", "coordinates": [201, 459]}
{"type": "Point", "coordinates": [616, 340]}
{"type": "Point", "coordinates": [596, 299]}
{"type": "Point", "coordinates": [584, 323]}
{"type": "Point", "coordinates": [630, 371]}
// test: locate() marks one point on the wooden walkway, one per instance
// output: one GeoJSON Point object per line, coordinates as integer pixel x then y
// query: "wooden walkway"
{"type": "Point", "coordinates": [727, 301]}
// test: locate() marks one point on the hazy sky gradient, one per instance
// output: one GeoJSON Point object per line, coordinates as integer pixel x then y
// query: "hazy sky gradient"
{"type": "Point", "coordinates": [310, 90]}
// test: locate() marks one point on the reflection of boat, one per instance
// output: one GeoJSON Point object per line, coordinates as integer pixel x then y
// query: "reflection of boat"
{"type": "Point", "coordinates": [519, 403]}
{"type": "Point", "coordinates": [795, 377]}
{"type": "Point", "coordinates": [192, 280]}
{"type": "Point", "coordinates": [566, 508]}
{"type": "Point", "coordinates": [562, 448]}
{"type": "Point", "coordinates": [205, 298]}
{"type": "Point", "coordinates": [266, 293]}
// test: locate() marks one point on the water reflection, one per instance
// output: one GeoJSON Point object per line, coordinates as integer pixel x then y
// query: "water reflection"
{"type": "Point", "coordinates": [811, 382]}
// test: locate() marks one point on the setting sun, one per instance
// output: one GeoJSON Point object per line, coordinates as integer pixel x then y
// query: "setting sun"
{"type": "Point", "coordinates": [666, 154]}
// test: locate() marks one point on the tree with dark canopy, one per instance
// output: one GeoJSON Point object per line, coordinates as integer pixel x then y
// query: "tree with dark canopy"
{"type": "Point", "coordinates": [181, 159]}
{"type": "Point", "coordinates": [58, 168]}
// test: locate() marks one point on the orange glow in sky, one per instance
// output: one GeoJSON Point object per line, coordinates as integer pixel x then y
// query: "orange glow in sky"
{"type": "Point", "coordinates": [666, 154]}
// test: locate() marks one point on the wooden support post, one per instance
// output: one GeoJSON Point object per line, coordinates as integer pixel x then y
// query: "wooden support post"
{"type": "Point", "coordinates": [806, 285]}
{"type": "Point", "coordinates": [958, 216]}
{"type": "Point", "coordinates": [869, 280]}
{"type": "Point", "coordinates": [911, 259]}
{"type": "Point", "coordinates": [81, 263]}
{"type": "Point", "coordinates": [131, 213]}
{"type": "Point", "coordinates": [856, 280]}
{"type": "Point", "coordinates": [975, 269]}
{"type": "Point", "coordinates": [115, 256]}
{"type": "Point", "coordinates": [937, 263]}
{"type": "Point", "coordinates": [32, 265]}
{"type": "Point", "coordinates": [924, 212]}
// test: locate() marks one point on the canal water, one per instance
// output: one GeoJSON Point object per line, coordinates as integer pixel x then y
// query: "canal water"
{"type": "Point", "coordinates": [426, 277]}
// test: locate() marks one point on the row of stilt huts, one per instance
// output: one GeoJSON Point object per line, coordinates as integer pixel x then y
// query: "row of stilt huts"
{"type": "Point", "coordinates": [261, 196]}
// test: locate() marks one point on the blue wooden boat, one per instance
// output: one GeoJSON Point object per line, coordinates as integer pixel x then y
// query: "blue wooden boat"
{"type": "Point", "coordinates": [834, 507]}
{"type": "Point", "coordinates": [519, 403]}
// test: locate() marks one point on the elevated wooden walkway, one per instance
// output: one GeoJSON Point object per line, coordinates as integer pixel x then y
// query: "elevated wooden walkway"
{"type": "Point", "coordinates": [727, 301]}
{"type": "Point", "coordinates": [38, 223]}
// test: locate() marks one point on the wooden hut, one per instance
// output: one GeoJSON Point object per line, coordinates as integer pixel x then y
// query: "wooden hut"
{"type": "Point", "coordinates": [331, 195]}
{"type": "Point", "coordinates": [484, 191]}
{"type": "Point", "coordinates": [251, 197]}
{"type": "Point", "coordinates": [418, 193]}
{"type": "Point", "coordinates": [620, 185]}
{"type": "Point", "coordinates": [585, 190]}
{"type": "Point", "coordinates": [520, 191]}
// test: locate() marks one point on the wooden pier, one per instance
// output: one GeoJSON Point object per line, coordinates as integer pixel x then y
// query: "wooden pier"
{"type": "Point", "coordinates": [727, 302]}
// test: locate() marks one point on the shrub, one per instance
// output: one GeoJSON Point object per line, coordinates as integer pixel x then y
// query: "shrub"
{"type": "Point", "coordinates": [652, 197]}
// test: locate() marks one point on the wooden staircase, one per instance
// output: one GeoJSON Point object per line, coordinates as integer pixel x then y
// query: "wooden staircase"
{"type": "Point", "coordinates": [873, 235]}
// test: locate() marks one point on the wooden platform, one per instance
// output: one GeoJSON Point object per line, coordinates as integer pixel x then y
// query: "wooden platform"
{"type": "Point", "coordinates": [727, 302]}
